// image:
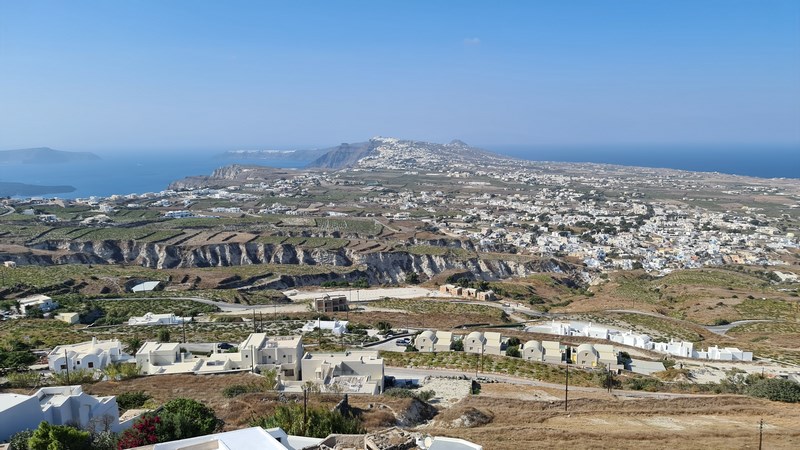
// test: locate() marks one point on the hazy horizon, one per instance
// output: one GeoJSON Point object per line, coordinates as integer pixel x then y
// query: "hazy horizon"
{"type": "Point", "coordinates": [87, 76]}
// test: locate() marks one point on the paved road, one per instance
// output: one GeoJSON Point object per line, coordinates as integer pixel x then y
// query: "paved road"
{"type": "Point", "coordinates": [224, 306]}
{"type": "Point", "coordinates": [9, 210]}
{"type": "Point", "coordinates": [405, 373]}
{"type": "Point", "coordinates": [717, 329]}
{"type": "Point", "coordinates": [722, 329]}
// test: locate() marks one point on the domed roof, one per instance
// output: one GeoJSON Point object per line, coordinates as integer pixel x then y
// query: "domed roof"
{"type": "Point", "coordinates": [428, 334]}
{"type": "Point", "coordinates": [532, 344]}
{"type": "Point", "coordinates": [587, 348]}
{"type": "Point", "coordinates": [475, 335]}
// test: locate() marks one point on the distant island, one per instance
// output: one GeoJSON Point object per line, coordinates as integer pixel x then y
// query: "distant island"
{"type": "Point", "coordinates": [8, 189]}
{"type": "Point", "coordinates": [297, 155]}
{"type": "Point", "coordinates": [44, 155]}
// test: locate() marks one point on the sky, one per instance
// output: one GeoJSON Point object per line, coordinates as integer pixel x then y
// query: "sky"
{"type": "Point", "coordinates": [138, 75]}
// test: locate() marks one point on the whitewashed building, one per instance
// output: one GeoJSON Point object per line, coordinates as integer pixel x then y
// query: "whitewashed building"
{"type": "Point", "coordinates": [42, 302]}
{"type": "Point", "coordinates": [433, 341]}
{"type": "Point", "coordinates": [59, 405]}
{"type": "Point", "coordinates": [357, 372]}
{"type": "Point", "coordinates": [336, 327]}
{"type": "Point", "coordinates": [158, 319]}
{"type": "Point", "coordinates": [258, 352]}
{"type": "Point", "coordinates": [90, 355]}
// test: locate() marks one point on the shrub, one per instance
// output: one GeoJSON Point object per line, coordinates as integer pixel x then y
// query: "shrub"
{"type": "Point", "coordinates": [235, 390]}
{"type": "Point", "coordinates": [121, 371]}
{"type": "Point", "coordinates": [399, 393]}
{"type": "Point", "coordinates": [513, 352]}
{"type": "Point", "coordinates": [19, 441]}
{"type": "Point", "coordinates": [408, 393]}
{"type": "Point", "coordinates": [74, 377]}
{"type": "Point", "coordinates": [184, 418]}
{"type": "Point", "coordinates": [143, 432]}
{"type": "Point", "coordinates": [24, 379]}
{"type": "Point", "coordinates": [58, 437]}
{"type": "Point", "coordinates": [320, 421]}
{"type": "Point", "coordinates": [776, 389]}
{"type": "Point", "coordinates": [163, 335]}
{"type": "Point", "coordinates": [132, 400]}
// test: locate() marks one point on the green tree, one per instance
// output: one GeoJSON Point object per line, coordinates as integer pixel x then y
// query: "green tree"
{"type": "Point", "coordinates": [133, 344]}
{"type": "Point", "coordinates": [163, 335]}
{"type": "Point", "coordinates": [513, 351]}
{"type": "Point", "coordinates": [59, 437]}
{"type": "Point", "coordinates": [412, 278]}
{"type": "Point", "coordinates": [457, 346]}
{"type": "Point", "coordinates": [184, 418]}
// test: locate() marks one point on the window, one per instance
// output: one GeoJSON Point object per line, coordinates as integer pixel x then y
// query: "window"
{"type": "Point", "coordinates": [63, 366]}
{"type": "Point", "coordinates": [288, 373]}
{"type": "Point", "coordinates": [91, 365]}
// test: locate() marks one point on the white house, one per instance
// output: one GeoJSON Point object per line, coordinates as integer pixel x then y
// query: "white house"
{"type": "Point", "coordinates": [725, 354]}
{"type": "Point", "coordinates": [357, 372]}
{"type": "Point", "coordinates": [90, 355]}
{"type": "Point", "coordinates": [493, 342]}
{"type": "Point", "coordinates": [335, 326]}
{"type": "Point", "coordinates": [159, 357]}
{"type": "Point", "coordinates": [18, 412]}
{"type": "Point", "coordinates": [532, 351]}
{"type": "Point", "coordinates": [681, 349]}
{"type": "Point", "coordinates": [42, 302]}
{"type": "Point", "coordinates": [158, 319]}
{"type": "Point", "coordinates": [282, 354]}
{"type": "Point", "coordinates": [474, 342]}
{"type": "Point", "coordinates": [255, 438]}
{"type": "Point", "coordinates": [433, 341]}
{"type": "Point", "coordinates": [257, 352]}
{"type": "Point", "coordinates": [68, 317]}
{"type": "Point", "coordinates": [62, 405]}
{"type": "Point", "coordinates": [59, 405]}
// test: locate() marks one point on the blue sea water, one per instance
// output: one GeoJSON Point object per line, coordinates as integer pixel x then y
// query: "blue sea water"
{"type": "Point", "coordinates": [127, 172]}
{"type": "Point", "coordinates": [137, 172]}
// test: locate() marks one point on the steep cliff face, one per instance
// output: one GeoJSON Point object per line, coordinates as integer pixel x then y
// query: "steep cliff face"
{"type": "Point", "coordinates": [378, 267]}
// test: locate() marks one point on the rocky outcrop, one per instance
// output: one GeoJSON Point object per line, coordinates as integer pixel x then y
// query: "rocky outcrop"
{"type": "Point", "coordinates": [378, 267]}
{"type": "Point", "coordinates": [345, 155]}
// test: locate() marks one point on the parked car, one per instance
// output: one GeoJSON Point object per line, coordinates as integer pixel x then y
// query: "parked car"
{"type": "Point", "coordinates": [403, 342]}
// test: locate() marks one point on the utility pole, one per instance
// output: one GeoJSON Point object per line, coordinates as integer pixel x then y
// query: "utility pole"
{"type": "Point", "coordinates": [566, 389]}
{"type": "Point", "coordinates": [254, 321]}
{"type": "Point", "coordinates": [66, 364]}
{"type": "Point", "coordinates": [305, 409]}
{"type": "Point", "coordinates": [183, 323]}
{"type": "Point", "coordinates": [760, 433]}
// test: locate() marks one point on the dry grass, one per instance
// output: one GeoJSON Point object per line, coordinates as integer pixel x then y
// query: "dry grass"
{"type": "Point", "coordinates": [701, 423]}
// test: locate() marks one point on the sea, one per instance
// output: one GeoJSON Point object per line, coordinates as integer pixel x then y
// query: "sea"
{"type": "Point", "coordinates": [129, 172]}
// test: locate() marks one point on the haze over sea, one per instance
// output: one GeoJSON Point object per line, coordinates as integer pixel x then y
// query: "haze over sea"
{"type": "Point", "coordinates": [140, 172]}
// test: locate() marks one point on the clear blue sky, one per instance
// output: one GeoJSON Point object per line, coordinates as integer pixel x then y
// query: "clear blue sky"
{"type": "Point", "coordinates": [92, 75]}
